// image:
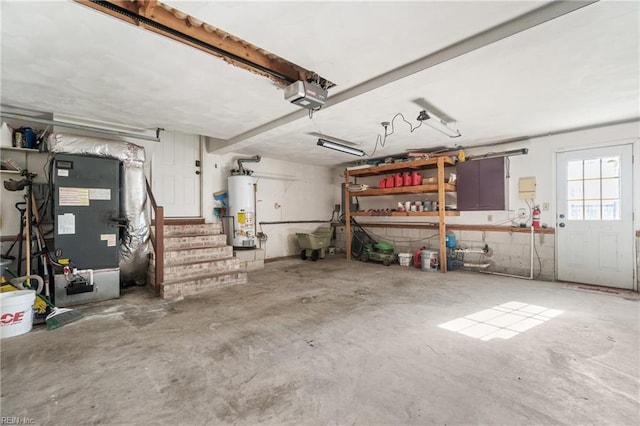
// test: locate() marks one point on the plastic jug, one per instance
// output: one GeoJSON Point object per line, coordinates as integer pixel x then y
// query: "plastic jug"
{"type": "Point", "coordinates": [450, 240]}
{"type": "Point", "coordinates": [382, 183]}
{"type": "Point", "coordinates": [417, 258]}
{"type": "Point", "coordinates": [398, 178]}
{"type": "Point", "coordinates": [390, 182]}
{"type": "Point", "coordinates": [416, 178]}
{"type": "Point", "coordinates": [407, 179]}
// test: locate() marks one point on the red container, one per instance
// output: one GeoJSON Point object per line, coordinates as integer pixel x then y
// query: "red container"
{"type": "Point", "coordinates": [390, 182]}
{"type": "Point", "coordinates": [382, 183]}
{"type": "Point", "coordinates": [399, 180]}
{"type": "Point", "coordinates": [417, 258]}
{"type": "Point", "coordinates": [416, 178]}
{"type": "Point", "coordinates": [407, 179]}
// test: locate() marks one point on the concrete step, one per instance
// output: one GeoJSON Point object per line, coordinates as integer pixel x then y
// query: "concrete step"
{"type": "Point", "coordinates": [189, 230]}
{"type": "Point", "coordinates": [198, 254]}
{"type": "Point", "coordinates": [181, 272]}
{"type": "Point", "coordinates": [188, 242]}
{"type": "Point", "coordinates": [201, 284]}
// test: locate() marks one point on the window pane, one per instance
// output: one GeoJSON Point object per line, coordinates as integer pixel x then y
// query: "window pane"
{"type": "Point", "coordinates": [592, 189]}
{"type": "Point", "coordinates": [575, 210]}
{"type": "Point", "coordinates": [574, 190]}
{"type": "Point", "coordinates": [592, 169]}
{"type": "Point", "coordinates": [611, 188]}
{"type": "Point", "coordinates": [592, 210]}
{"type": "Point", "coordinates": [611, 210]}
{"type": "Point", "coordinates": [611, 167]}
{"type": "Point", "coordinates": [574, 170]}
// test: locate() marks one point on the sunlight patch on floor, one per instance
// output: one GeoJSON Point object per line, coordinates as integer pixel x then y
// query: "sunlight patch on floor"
{"type": "Point", "coordinates": [501, 322]}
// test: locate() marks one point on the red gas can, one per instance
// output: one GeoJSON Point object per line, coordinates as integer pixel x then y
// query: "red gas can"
{"type": "Point", "coordinates": [382, 183]}
{"type": "Point", "coordinates": [390, 182]}
{"type": "Point", "coordinates": [417, 258]}
{"type": "Point", "coordinates": [416, 178]}
{"type": "Point", "coordinates": [407, 179]}
{"type": "Point", "coordinates": [399, 181]}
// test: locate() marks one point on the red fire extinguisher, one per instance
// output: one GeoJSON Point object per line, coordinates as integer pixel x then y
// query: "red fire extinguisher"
{"type": "Point", "coordinates": [536, 218]}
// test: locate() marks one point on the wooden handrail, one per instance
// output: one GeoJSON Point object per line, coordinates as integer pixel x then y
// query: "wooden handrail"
{"type": "Point", "coordinates": [157, 239]}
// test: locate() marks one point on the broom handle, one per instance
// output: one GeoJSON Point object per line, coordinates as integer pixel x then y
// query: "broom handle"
{"type": "Point", "coordinates": [28, 235]}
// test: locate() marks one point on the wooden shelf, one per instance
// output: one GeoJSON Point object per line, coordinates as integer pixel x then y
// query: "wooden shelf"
{"type": "Point", "coordinates": [439, 187]}
{"type": "Point", "coordinates": [431, 188]}
{"type": "Point", "coordinates": [406, 214]}
{"type": "Point", "coordinates": [404, 166]}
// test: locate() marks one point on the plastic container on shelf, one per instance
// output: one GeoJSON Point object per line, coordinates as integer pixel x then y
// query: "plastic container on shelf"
{"type": "Point", "coordinates": [416, 178]}
{"type": "Point", "coordinates": [406, 180]}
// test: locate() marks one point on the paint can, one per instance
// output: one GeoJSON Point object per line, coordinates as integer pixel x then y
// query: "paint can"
{"type": "Point", "coordinates": [430, 261]}
{"type": "Point", "coordinates": [404, 259]}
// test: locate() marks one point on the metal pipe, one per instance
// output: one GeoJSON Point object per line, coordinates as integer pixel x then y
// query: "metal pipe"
{"type": "Point", "coordinates": [293, 221]}
{"type": "Point", "coordinates": [77, 126]}
{"type": "Point", "coordinates": [255, 159]}
{"type": "Point", "coordinates": [530, 277]}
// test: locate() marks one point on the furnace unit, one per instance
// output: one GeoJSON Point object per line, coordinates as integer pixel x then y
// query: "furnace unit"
{"type": "Point", "coordinates": [86, 195]}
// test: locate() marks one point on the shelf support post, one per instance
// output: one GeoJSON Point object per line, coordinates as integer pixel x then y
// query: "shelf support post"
{"type": "Point", "coordinates": [347, 215]}
{"type": "Point", "coordinates": [441, 215]}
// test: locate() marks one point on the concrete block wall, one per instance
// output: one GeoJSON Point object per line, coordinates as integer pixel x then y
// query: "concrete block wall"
{"type": "Point", "coordinates": [250, 260]}
{"type": "Point", "coordinates": [637, 261]}
{"type": "Point", "coordinates": [509, 251]}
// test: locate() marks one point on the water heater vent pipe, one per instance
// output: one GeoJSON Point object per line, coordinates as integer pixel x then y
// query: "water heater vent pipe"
{"type": "Point", "coordinates": [241, 170]}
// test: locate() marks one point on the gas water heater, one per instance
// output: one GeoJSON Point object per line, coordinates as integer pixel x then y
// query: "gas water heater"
{"type": "Point", "coordinates": [242, 205]}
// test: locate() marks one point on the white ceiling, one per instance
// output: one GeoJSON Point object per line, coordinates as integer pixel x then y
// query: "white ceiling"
{"type": "Point", "coordinates": [580, 69]}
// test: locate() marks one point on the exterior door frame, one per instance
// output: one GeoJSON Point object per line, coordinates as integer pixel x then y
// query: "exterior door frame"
{"type": "Point", "coordinates": [635, 194]}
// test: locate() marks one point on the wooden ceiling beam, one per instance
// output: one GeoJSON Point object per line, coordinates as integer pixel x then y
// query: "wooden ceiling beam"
{"type": "Point", "coordinates": [173, 23]}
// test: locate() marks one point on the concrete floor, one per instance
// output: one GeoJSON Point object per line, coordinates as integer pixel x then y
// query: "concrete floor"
{"type": "Point", "coordinates": [333, 342]}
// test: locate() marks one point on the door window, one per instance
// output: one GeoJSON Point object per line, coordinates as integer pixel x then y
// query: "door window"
{"type": "Point", "coordinates": [593, 189]}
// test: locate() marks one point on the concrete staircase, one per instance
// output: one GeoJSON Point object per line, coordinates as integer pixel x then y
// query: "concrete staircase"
{"type": "Point", "coordinates": [196, 258]}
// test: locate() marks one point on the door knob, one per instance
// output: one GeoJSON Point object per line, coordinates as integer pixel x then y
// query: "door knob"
{"type": "Point", "coordinates": [197, 172]}
{"type": "Point", "coordinates": [561, 224]}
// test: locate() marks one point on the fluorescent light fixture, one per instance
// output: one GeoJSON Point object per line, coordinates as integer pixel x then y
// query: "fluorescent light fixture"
{"type": "Point", "coordinates": [338, 147]}
{"type": "Point", "coordinates": [66, 125]}
{"type": "Point", "coordinates": [437, 124]}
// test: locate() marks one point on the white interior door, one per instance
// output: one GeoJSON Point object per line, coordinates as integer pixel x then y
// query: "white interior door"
{"type": "Point", "coordinates": [175, 174]}
{"type": "Point", "coordinates": [595, 222]}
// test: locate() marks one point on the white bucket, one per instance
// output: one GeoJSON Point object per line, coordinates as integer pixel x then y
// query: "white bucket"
{"type": "Point", "coordinates": [16, 312]}
{"type": "Point", "coordinates": [404, 259]}
{"type": "Point", "coordinates": [430, 260]}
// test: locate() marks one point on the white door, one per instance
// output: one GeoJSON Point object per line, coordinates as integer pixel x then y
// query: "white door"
{"type": "Point", "coordinates": [595, 223]}
{"type": "Point", "coordinates": [175, 174]}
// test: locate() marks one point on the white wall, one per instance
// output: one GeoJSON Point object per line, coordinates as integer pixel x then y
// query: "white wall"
{"type": "Point", "coordinates": [540, 163]}
{"type": "Point", "coordinates": [286, 191]}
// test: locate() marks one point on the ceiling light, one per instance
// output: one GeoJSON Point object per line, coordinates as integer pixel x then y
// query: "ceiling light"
{"type": "Point", "coordinates": [338, 147]}
{"type": "Point", "coordinates": [437, 124]}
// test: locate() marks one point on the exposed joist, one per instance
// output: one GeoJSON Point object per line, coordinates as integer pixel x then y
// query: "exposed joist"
{"type": "Point", "coordinates": [173, 23]}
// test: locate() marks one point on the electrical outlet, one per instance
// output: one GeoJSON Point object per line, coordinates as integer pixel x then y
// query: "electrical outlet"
{"type": "Point", "coordinates": [489, 218]}
{"type": "Point", "coordinates": [545, 206]}
{"type": "Point", "coordinates": [522, 213]}
{"type": "Point", "coordinates": [336, 208]}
